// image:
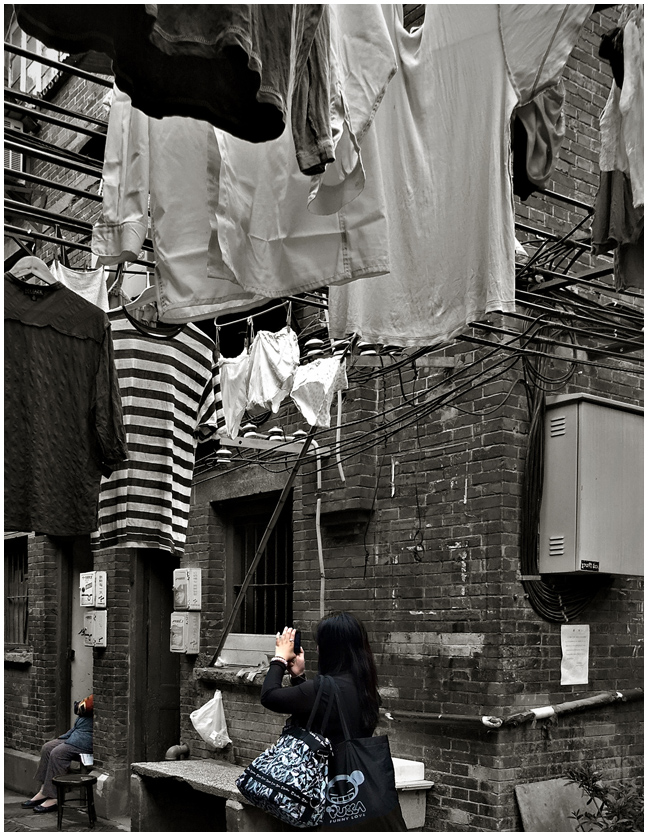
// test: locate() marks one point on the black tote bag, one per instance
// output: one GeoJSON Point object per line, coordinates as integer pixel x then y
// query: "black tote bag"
{"type": "Point", "coordinates": [361, 792]}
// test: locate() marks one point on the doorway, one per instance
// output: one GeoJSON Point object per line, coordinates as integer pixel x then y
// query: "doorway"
{"type": "Point", "coordinates": [156, 672]}
{"type": "Point", "coordinates": [79, 656]}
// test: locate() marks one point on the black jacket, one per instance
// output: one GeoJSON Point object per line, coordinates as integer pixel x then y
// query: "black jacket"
{"type": "Point", "coordinates": [299, 699]}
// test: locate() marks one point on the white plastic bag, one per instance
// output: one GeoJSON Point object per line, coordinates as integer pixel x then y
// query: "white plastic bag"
{"type": "Point", "coordinates": [209, 722]}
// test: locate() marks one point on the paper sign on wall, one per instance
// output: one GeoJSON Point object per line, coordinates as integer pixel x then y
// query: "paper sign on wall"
{"type": "Point", "coordinates": [574, 666]}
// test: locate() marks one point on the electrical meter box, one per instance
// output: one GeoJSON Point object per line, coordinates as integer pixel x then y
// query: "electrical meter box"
{"type": "Point", "coordinates": [185, 632]}
{"type": "Point", "coordinates": [187, 589]}
{"type": "Point", "coordinates": [591, 516]}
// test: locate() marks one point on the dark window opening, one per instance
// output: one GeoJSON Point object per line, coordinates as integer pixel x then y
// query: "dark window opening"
{"type": "Point", "coordinates": [267, 606]}
{"type": "Point", "coordinates": [15, 584]}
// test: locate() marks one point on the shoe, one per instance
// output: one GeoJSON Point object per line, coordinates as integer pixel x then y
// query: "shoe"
{"type": "Point", "coordinates": [40, 809]}
{"type": "Point", "coordinates": [31, 803]}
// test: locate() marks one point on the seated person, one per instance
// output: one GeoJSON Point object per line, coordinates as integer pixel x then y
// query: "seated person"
{"type": "Point", "coordinates": [57, 755]}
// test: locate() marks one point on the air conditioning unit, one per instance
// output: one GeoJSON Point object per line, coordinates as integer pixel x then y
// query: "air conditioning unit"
{"type": "Point", "coordinates": [591, 517]}
{"type": "Point", "coordinates": [13, 159]}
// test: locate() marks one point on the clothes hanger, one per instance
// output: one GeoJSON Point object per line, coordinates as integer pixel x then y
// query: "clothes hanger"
{"type": "Point", "coordinates": [33, 267]}
{"type": "Point", "coordinates": [144, 307]}
{"type": "Point", "coordinates": [14, 258]}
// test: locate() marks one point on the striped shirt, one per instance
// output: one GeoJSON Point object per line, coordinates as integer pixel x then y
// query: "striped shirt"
{"type": "Point", "coordinates": [169, 396]}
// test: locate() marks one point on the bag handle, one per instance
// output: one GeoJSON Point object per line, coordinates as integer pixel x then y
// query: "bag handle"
{"type": "Point", "coordinates": [326, 685]}
{"type": "Point", "coordinates": [341, 713]}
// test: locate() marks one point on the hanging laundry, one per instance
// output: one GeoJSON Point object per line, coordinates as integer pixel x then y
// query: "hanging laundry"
{"type": "Point", "coordinates": [233, 65]}
{"type": "Point", "coordinates": [169, 396]}
{"type": "Point", "coordinates": [275, 247]}
{"type": "Point", "coordinates": [538, 132]}
{"type": "Point", "coordinates": [622, 119]}
{"type": "Point", "coordinates": [234, 375]}
{"type": "Point", "coordinates": [618, 212]}
{"type": "Point", "coordinates": [443, 135]}
{"type": "Point", "coordinates": [314, 387]}
{"type": "Point", "coordinates": [618, 227]}
{"type": "Point", "coordinates": [63, 414]}
{"type": "Point", "coordinates": [91, 284]}
{"type": "Point", "coordinates": [271, 243]}
{"type": "Point", "coordinates": [274, 359]}
{"type": "Point", "coordinates": [177, 160]}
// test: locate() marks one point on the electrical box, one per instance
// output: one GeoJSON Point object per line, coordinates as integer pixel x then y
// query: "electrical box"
{"type": "Point", "coordinates": [591, 516]}
{"type": "Point", "coordinates": [185, 632]}
{"type": "Point", "coordinates": [95, 624]}
{"type": "Point", "coordinates": [187, 589]}
{"type": "Point", "coordinates": [92, 589]}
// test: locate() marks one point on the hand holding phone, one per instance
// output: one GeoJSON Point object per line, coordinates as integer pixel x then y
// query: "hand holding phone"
{"type": "Point", "coordinates": [297, 643]}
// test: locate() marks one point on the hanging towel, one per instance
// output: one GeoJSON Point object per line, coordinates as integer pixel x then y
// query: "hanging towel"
{"type": "Point", "coordinates": [315, 386]}
{"type": "Point", "coordinates": [91, 284]}
{"type": "Point", "coordinates": [274, 358]}
{"type": "Point", "coordinates": [170, 398]}
{"type": "Point", "coordinates": [234, 376]}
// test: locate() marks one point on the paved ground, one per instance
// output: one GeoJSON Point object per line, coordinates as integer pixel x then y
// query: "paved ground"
{"type": "Point", "coordinates": [16, 820]}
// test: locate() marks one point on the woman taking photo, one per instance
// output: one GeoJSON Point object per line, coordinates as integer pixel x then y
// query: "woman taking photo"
{"type": "Point", "coordinates": [345, 655]}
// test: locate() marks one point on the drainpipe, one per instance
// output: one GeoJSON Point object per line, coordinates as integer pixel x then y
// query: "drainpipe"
{"type": "Point", "coordinates": [177, 752]}
{"type": "Point", "coordinates": [605, 698]}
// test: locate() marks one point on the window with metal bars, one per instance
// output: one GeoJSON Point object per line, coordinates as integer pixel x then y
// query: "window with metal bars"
{"type": "Point", "coordinates": [15, 586]}
{"type": "Point", "coordinates": [267, 606]}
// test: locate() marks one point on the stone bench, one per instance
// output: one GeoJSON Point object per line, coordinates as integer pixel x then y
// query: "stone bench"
{"type": "Point", "coordinates": [197, 795]}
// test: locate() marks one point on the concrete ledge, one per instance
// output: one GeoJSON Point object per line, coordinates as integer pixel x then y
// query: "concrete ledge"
{"type": "Point", "coordinates": [206, 775]}
{"type": "Point", "coordinates": [19, 771]}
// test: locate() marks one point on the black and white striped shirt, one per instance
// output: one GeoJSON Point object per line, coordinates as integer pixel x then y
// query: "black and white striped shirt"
{"type": "Point", "coordinates": [169, 396]}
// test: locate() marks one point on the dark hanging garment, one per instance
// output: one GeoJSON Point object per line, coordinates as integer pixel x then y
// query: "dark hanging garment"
{"type": "Point", "coordinates": [618, 227]}
{"type": "Point", "coordinates": [63, 416]}
{"type": "Point", "coordinates": [538, 132]}
{"type": "Point", "coordinates": [611, 50]}
{"type": "Point", "coordinates": [232, 65]}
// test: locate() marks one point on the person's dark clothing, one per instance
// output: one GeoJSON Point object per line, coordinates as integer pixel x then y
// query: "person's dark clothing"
{"type": "Point", "coordinates": [299, 699]}
{"type": "Point", "coordinates": [57, 755]}
{"type": "Point", "coordinates": [80, 735]}
{"type": "Point", "coordinates": [63, 412]}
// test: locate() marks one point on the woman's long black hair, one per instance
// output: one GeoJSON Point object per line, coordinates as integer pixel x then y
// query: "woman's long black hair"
{"type": "Point", "coordinates": [344, 648]}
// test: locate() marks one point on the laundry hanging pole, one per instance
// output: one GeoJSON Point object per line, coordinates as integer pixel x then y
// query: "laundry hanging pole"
{"type": "Point", "coordinates": [263, 543]}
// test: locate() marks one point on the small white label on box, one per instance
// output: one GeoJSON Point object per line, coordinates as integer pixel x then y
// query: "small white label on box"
{"type": "Point", "coordinates": [87, 589]}
{"type": "Point", "coordinates": [100, 589]}
{"type": "Point", "coordinates": [178, 638]}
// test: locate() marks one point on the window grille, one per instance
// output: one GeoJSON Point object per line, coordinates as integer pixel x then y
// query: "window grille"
{"type": "Point", "coordinates": [15, 585]}
{"type": "Point", "coordinates": [267, 606]}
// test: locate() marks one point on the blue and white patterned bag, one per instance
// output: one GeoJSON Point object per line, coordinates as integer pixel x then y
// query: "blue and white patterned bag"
{"type": "Point", "coordinates": [289, 779]}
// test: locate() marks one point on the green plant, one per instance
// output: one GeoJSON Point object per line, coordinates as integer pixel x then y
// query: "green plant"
{"type": "Point", "coordinates": [615, 808]}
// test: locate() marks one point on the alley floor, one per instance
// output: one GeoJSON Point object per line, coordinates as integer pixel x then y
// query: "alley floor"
{"type": "Point", "coordinates": [18, 820]}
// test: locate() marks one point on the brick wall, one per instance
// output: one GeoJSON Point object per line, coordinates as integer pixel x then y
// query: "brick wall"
{"type": "Point", "coordinates": [421, 541]}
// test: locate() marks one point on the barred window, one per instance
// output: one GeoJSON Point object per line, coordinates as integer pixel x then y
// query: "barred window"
{"type": "Point", "coordinates": [15, 585]}
{"type": "Point", "coordinates": [267, 605]}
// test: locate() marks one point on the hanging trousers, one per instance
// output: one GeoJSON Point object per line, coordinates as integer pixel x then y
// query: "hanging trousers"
{"type": "Point", "coordinates": [55, 760]}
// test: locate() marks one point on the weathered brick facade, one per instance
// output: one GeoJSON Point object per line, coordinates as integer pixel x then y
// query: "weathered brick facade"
{"type": "Point", "coordinates": [421, 540]}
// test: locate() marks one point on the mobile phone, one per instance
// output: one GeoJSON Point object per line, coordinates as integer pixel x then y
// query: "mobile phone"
{"type": "Point", "coordinates": [297, 642]}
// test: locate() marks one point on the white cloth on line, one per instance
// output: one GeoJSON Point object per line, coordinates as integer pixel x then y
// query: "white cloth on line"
{"type": "Point", "coordinates": [443, 134]}
{"type": "Point", "coordinates": [314, 387]}
{"type": "Point", "coordinates": [91, 284]}
{"type": "Point", "coordinates": [234, 375]}
{"type": "Point", "coordinates": [274, 359]}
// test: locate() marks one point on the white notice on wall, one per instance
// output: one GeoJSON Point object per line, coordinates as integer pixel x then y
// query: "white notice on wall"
{"type": "Point", "coordinates": [574, 667]}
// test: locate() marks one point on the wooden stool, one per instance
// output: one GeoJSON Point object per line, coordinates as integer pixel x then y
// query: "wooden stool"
{"type": "Point", "coordinates": [85, 783]}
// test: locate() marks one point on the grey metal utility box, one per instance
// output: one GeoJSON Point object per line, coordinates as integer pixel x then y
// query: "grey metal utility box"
{"type": "Point", "coordinates": [591, 517]}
